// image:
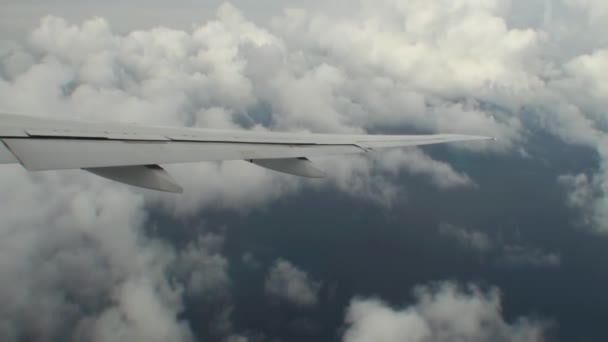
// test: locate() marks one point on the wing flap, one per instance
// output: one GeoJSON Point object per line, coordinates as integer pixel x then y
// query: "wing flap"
{"type": "Point", "coordinates": [294, 166]}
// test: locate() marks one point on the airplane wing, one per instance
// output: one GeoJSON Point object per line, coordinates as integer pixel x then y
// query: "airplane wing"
{"type": "Point", "coordinates": [131, 153]}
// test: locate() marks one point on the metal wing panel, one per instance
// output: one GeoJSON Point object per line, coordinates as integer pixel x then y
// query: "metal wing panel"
{"type": "Point", "coordinates": [190, 134]}
{"type": "Point", "coordinates": [6, 157]}
{"type": "Point", "coordinates": [55, 154]}
{"type": "Point", "coordinates": [82, 133]}
{"type": "Point", "coordinates": [16, 126]}
{"type": "Point", "coordinates": [9, 131]}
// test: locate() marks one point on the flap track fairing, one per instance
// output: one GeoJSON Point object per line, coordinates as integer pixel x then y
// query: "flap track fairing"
{"type": "Point", "coordinates": [302, 167]}
{"type": "Point", "coordinates": [145, 176]}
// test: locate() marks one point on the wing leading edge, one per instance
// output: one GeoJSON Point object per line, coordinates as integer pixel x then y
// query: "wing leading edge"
{"type": "Point", "coordinates": [131, 153]}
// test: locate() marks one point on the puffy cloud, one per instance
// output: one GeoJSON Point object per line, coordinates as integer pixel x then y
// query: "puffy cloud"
{"type": "Point", "coordinates": [415, 162]}
{"type": "Point", "coordinates": [236, 185]}
{"type": "Point", "coordinates": [445, 312]}
{"type": "Point", "coordinates": [79, 264]}
{"type": "Point", "coordinates": [82, 266]}
{"type": "Point", "coordinates": [286, 282]}
{"type": "Point", "coordinates": [413, 73]}
{"type": "Point", "coordinates": [355, 175]}
{"type": "Point", "coordinates": [589, 194]}
{"type": "Point", "coordinates": [372, 176]}
{"type": "Point", "coordinates": [580, 189]}
{"type": "Point", "coordinates": [587, 191]}
{"type": "Point", "coordinates": [202, 268]}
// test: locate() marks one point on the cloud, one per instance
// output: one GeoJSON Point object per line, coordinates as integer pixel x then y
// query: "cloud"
{"type": "Point", "coordinates": [473, 239]}
{"type": "Point", "coordinates": [503, 253]}
{"type": "Point", "coordinates": [587, 193]}
{"type": "Point", "coordinates": [80, 263]}
{"type": "Point", "coordinates": [250, 260]}
{"type": "Point", "coordinates": [355, 175]}
{"type": "Point", "coordinates": [531, 257]}
{"type": "Point", "coordinates": [580, 189]}
{"type": "Point", "coordinates": [441, 174]}
{"type": "Point", "coordinates": [443, 312]}
{"type": "Point", "coordinates": [202, 268]}
{"type": "Point", "coordinates": [375, 175]}
{"type": "Point", "coordinates": [288, 283]}
{"type": "Point", "coordinates": [237, 338]}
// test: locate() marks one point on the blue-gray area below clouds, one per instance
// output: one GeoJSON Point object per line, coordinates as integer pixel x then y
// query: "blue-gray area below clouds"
{"type": "Point", "coordinates": [358, 249]}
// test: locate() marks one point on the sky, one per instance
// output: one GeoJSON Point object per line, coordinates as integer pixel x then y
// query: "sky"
{"type": "Point", "coordinates": [476, 241]}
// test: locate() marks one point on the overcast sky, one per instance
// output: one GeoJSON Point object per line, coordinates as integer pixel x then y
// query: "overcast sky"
{"type": "Point", "coordinates": [471, 242]}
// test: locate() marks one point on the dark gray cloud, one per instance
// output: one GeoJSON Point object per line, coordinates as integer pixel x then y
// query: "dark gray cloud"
{"type": "Point", "coordinates": [473, 239]}
{"type": "Point", "coordinates": [288, 283]}
{"type": "Point", "coordinates": [518, 256]}
{"type": "Point", "coordinates": [495, 249]}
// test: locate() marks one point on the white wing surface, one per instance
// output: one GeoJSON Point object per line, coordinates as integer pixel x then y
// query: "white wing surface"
{"type": "Point", "coordinates": [131, 153]}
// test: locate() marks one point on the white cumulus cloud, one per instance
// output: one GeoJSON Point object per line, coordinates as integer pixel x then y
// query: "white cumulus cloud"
{"type": "Point", "coordinates": [444, 312]}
